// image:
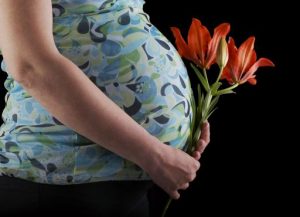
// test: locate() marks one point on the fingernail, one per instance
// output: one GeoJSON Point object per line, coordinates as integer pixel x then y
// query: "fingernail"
{"type": "Point", "coordinates": [206, 123]}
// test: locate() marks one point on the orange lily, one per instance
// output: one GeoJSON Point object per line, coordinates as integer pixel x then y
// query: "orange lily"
{"type": "Point", "coordinates": [242, 62]}
{"type": "Point", "coordinates": [201, 48]}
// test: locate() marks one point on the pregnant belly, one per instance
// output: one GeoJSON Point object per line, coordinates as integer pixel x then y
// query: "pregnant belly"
{"type": "Point", "coordinates": [134, 65]}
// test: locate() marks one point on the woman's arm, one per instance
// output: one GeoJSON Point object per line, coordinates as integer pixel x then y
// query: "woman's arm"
{"type": "Point", "coordinates": [60, 86]}
{"type": "Point", "coordinates": [32, 58]}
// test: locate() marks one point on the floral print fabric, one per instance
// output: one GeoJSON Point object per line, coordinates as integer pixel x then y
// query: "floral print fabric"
{"type": "Point", "coordinates": [116, 46]}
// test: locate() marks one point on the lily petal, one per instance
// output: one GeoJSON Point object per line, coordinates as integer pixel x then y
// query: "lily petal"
{"type": "Point", "coordinates": [260, 63]}
{"type": "Point", "coordinates": [198, 39]}
{"type": "Point", "coordinates": [233, 64]}
{"type": "Point", "coordinates": [252, 81]}
{"type": "Point", "coordinates": [249, 63]}
{"type": "Point", "coordinates": [220, 31]}
{"type": "Point", "coordinates": [245, 54]}
{"type": "Point", "coordinates": [226, 74]}
{"type": "Point", "coordinates": [182, 47]}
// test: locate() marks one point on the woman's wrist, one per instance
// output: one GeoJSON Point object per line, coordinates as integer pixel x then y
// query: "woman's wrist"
{"type": "Point", "coordinates": [150, 156]}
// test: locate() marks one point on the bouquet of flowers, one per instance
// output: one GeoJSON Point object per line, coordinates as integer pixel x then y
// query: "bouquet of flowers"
{"type": "Point", "coordinates": [236, 65]}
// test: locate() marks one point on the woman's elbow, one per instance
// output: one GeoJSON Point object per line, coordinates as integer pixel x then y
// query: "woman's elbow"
{"type": "Point", "coordinates": [23, 66]}
{"type": "Point", "coordinates": [22, 73]}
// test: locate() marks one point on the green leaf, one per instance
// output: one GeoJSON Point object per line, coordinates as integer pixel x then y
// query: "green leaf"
{"type": "Point", "coordinates": [202, 79]}
{"type": "Point", "coordinates": [200, 105]}
{"type": "Point", "coordinates": [206, 104]}
{"type": "Point", "coordinates": [195, 138]}
{"type": "Point", "coordinates": [194, 113]}
{"type": "Point", "coordinates": [215, 87]}
{"type": "Point", "coordinates": [210, 113]}
{"type": "Point", "coordinates": [225, 91]}
{"type": "Point", "coordinates": [190, 137]}
{"type": "Point", "coordinates": [197, 134]}
{"type": "Point", "coordinates": [213, 103]}
{"type": "Point", "coordinates": [200, 96]}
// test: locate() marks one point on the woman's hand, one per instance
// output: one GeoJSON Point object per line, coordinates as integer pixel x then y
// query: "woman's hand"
{"type": "Point", "coordinates": [203, 141]}
{"type": "Point", "coordinates": [172, 169]}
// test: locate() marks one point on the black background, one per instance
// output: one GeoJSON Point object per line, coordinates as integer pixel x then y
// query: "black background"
{"type": "Point", "coordinates": [250, 165]}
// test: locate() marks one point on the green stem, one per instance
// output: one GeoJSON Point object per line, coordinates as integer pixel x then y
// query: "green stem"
{"type": "Point", "coordinates": [196, 130]}
{"type": "Point", "coordinates": [194, 140]}
{"type": "Point", "coordinates": [220, 73]}
{"type": "Point", "coordinates": [206, 78]}
{"type": "Point", "coordinates": [189, 151]}
{"type": "Point", "coordinates": [166, 207]}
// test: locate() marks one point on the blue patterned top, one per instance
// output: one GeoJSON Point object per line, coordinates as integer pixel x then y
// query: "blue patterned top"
{"type": "Point", "coordinates": [121, 52]}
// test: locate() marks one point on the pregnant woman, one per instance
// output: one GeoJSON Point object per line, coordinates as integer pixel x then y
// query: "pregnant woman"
{"type": "Point", "coordinates": [98, 109]}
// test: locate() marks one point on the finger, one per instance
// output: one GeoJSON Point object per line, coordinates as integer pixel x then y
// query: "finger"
{"type": "Point", "coordinates": [201, 146]}
{"type": "Point", "coordinates": [197, 165]}
{"type": "Point", "coordinates": [175, 195]}
{"type": "Point", "coordinates": [184, 186]}
{"type": "Point", "coordinates": [205, 135]}
{"type": "Point", "coordinates": [191, 177]}
{"type": "Point", "coordinates": [197, 155]}
{"type": "Point", "coordinates": [204, 139]}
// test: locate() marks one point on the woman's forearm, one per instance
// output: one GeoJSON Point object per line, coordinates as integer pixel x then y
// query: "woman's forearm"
{"type": "Point", "coordinates": [69, 95]}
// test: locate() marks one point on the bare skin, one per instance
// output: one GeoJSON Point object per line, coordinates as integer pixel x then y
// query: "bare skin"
{"type": "Point", "coordinates": [28, 48]}
{"type": "Point", "coordinates": [203, 141]}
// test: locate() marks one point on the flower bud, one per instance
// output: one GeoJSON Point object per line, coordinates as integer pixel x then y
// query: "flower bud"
{"type": "Point", "coordinates": [222, 53]}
